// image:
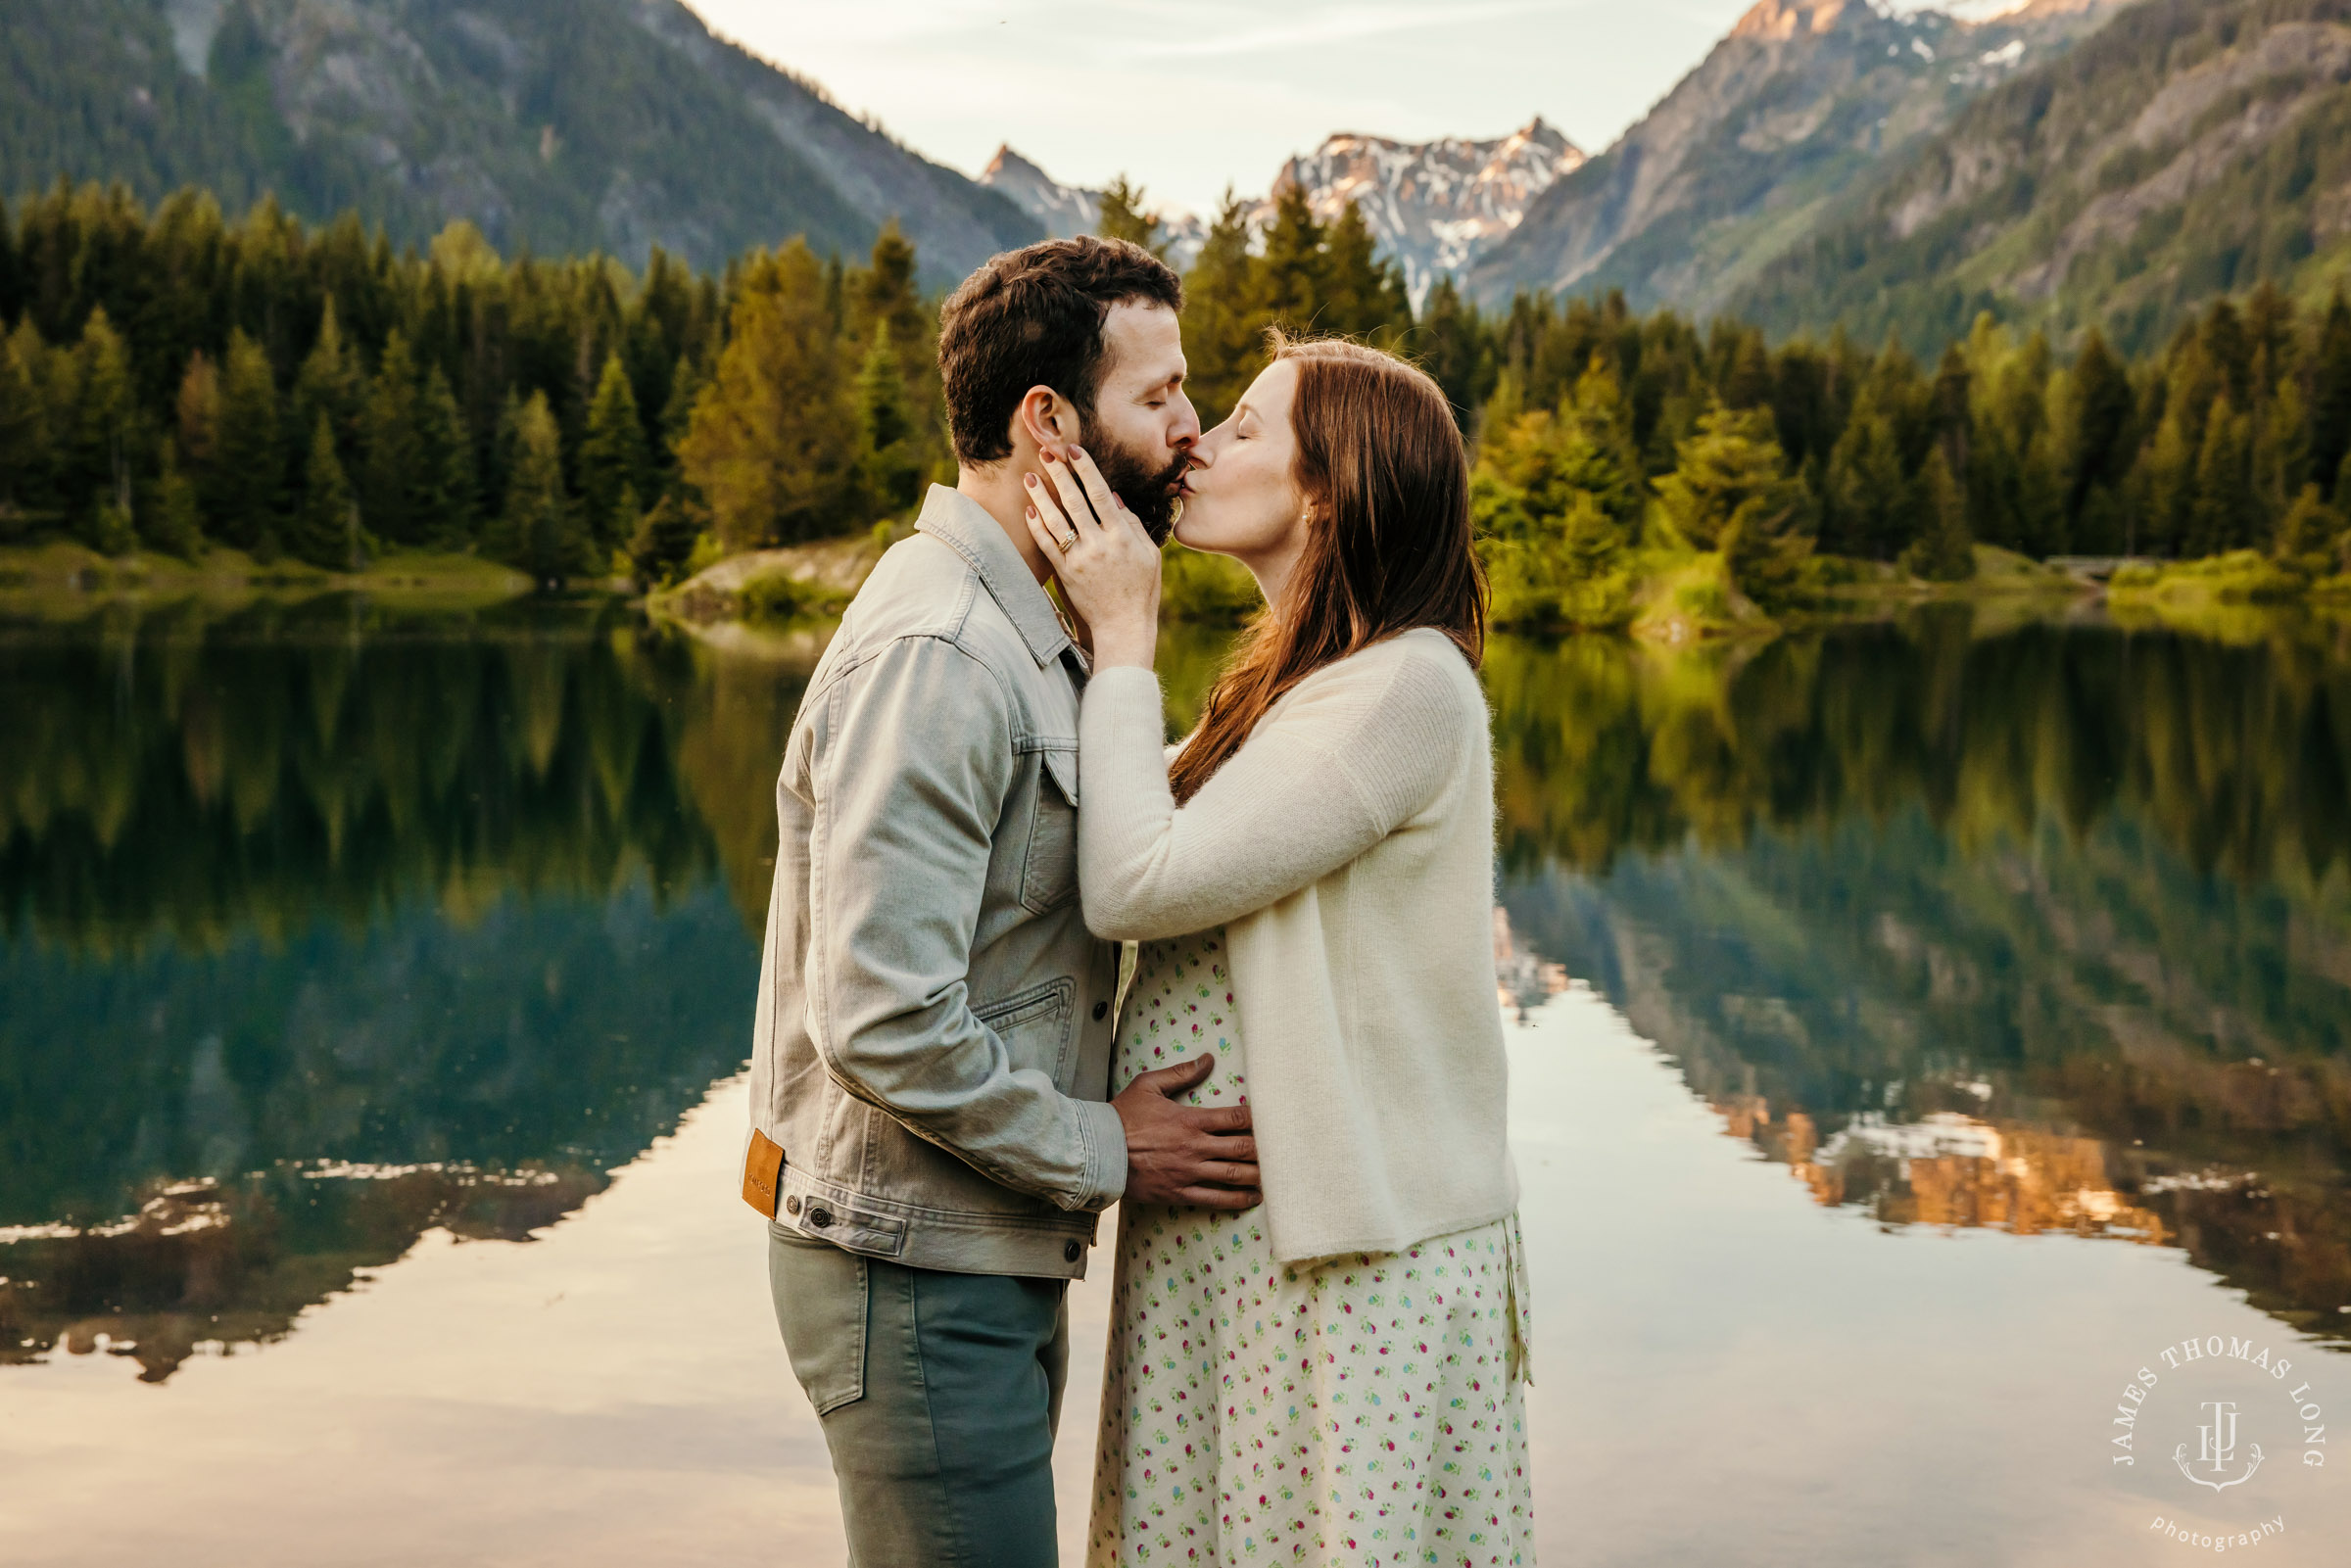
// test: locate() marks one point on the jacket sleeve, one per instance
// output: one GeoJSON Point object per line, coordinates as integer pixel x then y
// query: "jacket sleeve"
{"type": "Point", "coordinates": [1344, 763]}
{"type": "Point", "coordinates": [915, 770]}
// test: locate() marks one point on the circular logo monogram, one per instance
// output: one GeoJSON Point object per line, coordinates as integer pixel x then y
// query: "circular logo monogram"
{"type": "Point", "coordinates": [2224, 1430]}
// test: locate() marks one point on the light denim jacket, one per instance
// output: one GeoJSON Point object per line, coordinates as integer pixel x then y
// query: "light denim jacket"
{"type": "Point", "coordinates": [932, 1043]}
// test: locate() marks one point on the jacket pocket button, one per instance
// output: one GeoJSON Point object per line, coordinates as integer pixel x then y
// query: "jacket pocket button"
{"type": "Point", "coordinates": [819, 1217]}
{"type": "Point", "coordinates": [792, 1205]}
{"type": "Point", "coordinates": [1072, 1251]}
{"type": "Point", "coordinates": [1101, 1011]}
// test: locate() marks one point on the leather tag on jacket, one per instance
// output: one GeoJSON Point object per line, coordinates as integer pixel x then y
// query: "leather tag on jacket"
{"type": "Point", "coordinates": [762, 1173]}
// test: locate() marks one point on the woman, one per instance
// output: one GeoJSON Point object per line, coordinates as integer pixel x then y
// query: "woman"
{"type": "Point", "coordinates": [1335, 1377]}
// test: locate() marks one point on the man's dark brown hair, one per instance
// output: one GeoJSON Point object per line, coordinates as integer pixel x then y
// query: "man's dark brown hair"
{"type": "Point", "coordinates": [1033, 317]}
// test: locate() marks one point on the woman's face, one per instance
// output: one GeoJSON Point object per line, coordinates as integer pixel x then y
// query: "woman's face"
{"type": "Point", "coordinates": [1239, 497]}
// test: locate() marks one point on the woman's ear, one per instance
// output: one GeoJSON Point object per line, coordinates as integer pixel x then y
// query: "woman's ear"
{"type": "Point", "coordinates": [1047, 419]}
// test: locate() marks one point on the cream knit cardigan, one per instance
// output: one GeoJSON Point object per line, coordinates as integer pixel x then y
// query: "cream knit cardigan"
{"type": "Point", "coordinates": [1347, 851]}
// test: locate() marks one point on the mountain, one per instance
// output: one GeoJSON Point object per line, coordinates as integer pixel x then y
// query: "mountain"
{"type": "Point", "coordinates": [1434, 206]}
{"type": "Point", "coordinates": [2190, 148]}
{"type": "Point", "coordinates": [1804, 102]}
{"type": "Point", "coordinates": [1070, 210]}
{"type": "Point", "coordinates": [559, 126]}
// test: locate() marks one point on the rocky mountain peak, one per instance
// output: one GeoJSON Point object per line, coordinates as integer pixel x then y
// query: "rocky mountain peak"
{"type": "Point", "coordinates": [1802, 106]}
{"type": "Point", "coordinates": [1778, 21]}
{"type": "Point", "coordinates": [1069, 210]}
{"type": "Point", "coordinates": [1063, 210]}
{"type": "Point", "coordinates": [1434, 206]}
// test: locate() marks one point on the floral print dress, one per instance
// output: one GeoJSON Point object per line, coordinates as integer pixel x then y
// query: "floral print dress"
{"type": "Point", "coordinates": [1365, 1409]}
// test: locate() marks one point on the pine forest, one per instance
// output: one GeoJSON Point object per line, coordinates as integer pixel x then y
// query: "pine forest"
{"type": "Point", "coordinates": [177, 381]}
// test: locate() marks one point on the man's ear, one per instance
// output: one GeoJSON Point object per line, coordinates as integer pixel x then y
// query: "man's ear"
{"type": "Point", "coordinates": [1047, 419]}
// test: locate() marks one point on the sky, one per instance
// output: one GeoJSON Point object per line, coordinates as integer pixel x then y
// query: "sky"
{"type": "Point", "coordinates": [1186, 98]}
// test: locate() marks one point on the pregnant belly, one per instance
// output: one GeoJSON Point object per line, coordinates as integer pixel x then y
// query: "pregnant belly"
{"type": "Point", "coordinates": [1180, 1008]}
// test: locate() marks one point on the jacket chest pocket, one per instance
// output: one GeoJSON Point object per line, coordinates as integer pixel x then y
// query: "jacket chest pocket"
{"type": "Point", "coordinates": [1049, 871]}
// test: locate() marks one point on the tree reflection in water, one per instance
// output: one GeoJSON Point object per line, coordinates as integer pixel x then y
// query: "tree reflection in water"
{"type": "Point", "coordinates": [328, 926]}
{"type": "Point", "coordinates": [2050, 929]}
{"type": "Point", "coordinates": [436, 906]}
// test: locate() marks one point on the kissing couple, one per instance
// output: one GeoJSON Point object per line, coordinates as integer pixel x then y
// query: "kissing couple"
{"type": "Point", "coordinates": [1296, 1092]}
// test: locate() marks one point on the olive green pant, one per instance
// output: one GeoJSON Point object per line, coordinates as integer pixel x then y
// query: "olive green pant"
{"type": "Point", "coordinates": [938, 1395]}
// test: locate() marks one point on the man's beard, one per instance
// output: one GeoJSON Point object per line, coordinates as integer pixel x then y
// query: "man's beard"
{"type": "Point", "coordinates": [1145, 490]}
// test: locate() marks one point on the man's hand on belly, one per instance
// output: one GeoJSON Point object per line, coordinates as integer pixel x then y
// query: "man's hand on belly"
{"type": "Point", "coordinates": [1200, 1156]}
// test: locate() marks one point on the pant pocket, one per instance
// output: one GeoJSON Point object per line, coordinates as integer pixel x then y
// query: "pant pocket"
{"type": "Point", "coordinates": [820, 1294]}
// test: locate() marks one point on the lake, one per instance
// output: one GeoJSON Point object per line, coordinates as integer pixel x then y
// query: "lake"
{"type": "Point", "coordinates": [1920, 1031]}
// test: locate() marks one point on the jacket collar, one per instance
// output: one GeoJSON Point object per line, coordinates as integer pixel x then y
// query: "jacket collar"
{"type": "Point", "coordinates": [965, 527]}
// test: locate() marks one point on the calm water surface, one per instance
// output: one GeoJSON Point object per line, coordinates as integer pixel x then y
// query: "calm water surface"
{"type": "Point", "coordinates": [1918, 1028]}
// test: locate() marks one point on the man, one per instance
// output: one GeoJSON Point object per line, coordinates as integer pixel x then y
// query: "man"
{"type": "Point", "coordinates": [930, 1139]}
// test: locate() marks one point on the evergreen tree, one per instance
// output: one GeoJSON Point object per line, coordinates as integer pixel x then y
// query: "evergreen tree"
{"type": "Point", "coordinates": [2042, 528]}
{"type": "Point", "coordinates": [1746, 378]}
{"type": "Point", "coordinates": [1362, 297]}
{"type": "Point", "coordinates": [1451, 346]}
{"type": "Point", "coordinates": [1292, 277]}
{"type": "Point", "coordinates": [330, 384]}
{"type": "Point", "coordinates": [2330, 393]}
{"type": "Point", "coordinates": [2094, 422]}
{"type": "Point", "coordinates": [887, 461]}
{"type": "Point", "coordinates": [24, 431]}
{"type": "Point", "coordinates": [171, 521]}
{"type": "Point", "coordinates": [1224, 331]}
{"type": "Point", "coordinates": [2281, 448]}
{"type": "Point", "coordinates": [890, 299]}
{"type": "Point", "coordinates": [773, 441]}
{"type": "Point", "coordinates": [1732, 468]}
{"type": "Point", "coordinates": [539, 531]}
{"type": "Point", "coordinates": [686, 384]}
{"type": "Point", "coordinates": [2106, 411]}
{"type": "Point", "coordinates": [196, 415]}
{"type": "Point", "coordinates": [498, 470]}
{"type": "Point", "coordinates": [392, 468]}
{"type": "Point", "coordinates": [1951, 412]}
{"type": "Point", "coordinates": [1865, 511]}
{"type": "Point", "coordinates": [446, 496]}
{"type": "Point", "coordinates": [612, 458]}
{"type": "Point", "coordinates": [2306, 539]}
{"type": "Point", "coordinates": [2223, 514]}
{"type": "Point", "coordinates": [1124, 216]}
{"type": "Point", "coordinates": [248, 470]}
{"type": "Point", "coordinates": [107, 440]}
{"type": "Point", "coordinates": [324, 530]}
{"type": "Point", "coordinates": [2165, 487]}
{"type": "Point", "coordinates": [1945, 552]}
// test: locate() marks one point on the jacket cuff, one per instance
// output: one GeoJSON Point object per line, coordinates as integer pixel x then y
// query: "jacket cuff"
{"type": "Point", "coordinates": [1105, 1137]}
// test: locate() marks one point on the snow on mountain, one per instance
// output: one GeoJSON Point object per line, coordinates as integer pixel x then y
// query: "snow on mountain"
{"type": "Point", "coordinates": [1434, 206]}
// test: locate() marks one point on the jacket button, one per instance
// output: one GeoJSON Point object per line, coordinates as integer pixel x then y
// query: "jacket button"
{"type": "Point", "coordinates": [1101, 1011]}
{"type": "Point", "coordinates": [819, 1217]}
{"type": "Point", "coordinates": [1072, 1251]}
{"type": "Point", "coordinates": [792, 1205]}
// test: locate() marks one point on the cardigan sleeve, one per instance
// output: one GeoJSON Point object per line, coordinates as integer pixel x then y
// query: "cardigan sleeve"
{"type": "Point", "coordinates": [1346, 760]}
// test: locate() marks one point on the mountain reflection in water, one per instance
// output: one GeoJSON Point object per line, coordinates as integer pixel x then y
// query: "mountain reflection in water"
{"type": "Point", "coordinates": [2049, 931]}
{"type": "Point", "coordinates": [323, 928]}
{"type": "Point", "coordinates": [326, 928]}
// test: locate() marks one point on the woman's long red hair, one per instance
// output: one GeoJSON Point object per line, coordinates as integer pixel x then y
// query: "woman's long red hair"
{"type": "Point", "coordinates": [1381, 463]}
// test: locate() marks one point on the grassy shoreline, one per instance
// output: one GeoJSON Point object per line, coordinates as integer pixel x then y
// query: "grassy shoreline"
{"type": "Point", "coordinates": [63, 575]}
{"type": "Point", "coordinates": [1673, 598]}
